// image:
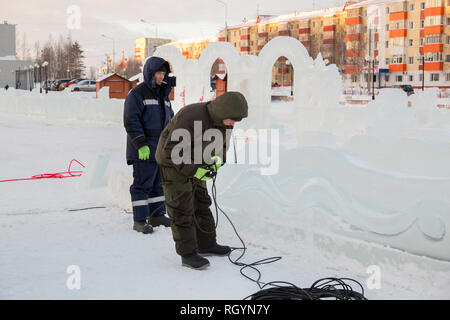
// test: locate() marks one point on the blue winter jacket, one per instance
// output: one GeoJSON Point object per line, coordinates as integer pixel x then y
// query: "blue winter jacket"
{"type": "Point", "coordinates": [147, 111]}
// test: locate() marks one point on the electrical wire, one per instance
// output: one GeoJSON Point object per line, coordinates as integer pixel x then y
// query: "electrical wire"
{"type": "Point", "coordinates": [326, 288]}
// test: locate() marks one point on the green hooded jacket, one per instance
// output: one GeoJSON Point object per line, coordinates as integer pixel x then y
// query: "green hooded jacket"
{"type": "Point", "coordinates": [208, 115]}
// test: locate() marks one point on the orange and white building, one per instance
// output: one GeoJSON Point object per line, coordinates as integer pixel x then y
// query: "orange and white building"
{"type": "Point", "coordinates": [382, 40]}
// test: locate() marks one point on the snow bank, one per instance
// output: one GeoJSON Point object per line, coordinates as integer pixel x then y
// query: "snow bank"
{"type": "Point", "coordinates": [62, 105]}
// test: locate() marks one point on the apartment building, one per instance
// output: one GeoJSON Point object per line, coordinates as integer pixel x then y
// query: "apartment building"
{"type": "Point", "coordinates": [399, 42]}
{"type": "Point", "coordinates": [377, 43]}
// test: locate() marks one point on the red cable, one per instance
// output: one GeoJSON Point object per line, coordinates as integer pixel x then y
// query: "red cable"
{"type": "Point", "coordinates": [57, 175]}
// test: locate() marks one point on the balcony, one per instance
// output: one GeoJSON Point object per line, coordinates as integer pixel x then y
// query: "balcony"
{"type": "Point", "coordinates": [353, 20]}
{"type": "Point", "coordinates": [397, 67]}
{"type": "Point", "coordinates": [436, 11]}
{"type": "Point", "coordinates": [435, 47]}
{"type": "Point", "coordinates": [351, 69]}
{"type": "Point", "coordinates": [434, 66]}
{"type": "Point", "coordinates": [304, 30]}
{"type": "Point", "coordinates": [401, 15]}
{"type": "Point", "coordinates": [399, 33]}
{"type": "Point", "coordinates": [439, 29]}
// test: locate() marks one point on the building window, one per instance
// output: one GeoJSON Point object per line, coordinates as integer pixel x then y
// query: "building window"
{"type": "Point", "coordinates": [410, 60]}
{"type": "Point", "coordinates": [411, 25]}
{"type": "Point", "coordinates": [411, 7]}
{"type": "Point", "coordinates": [447, 58]}
{"type": "Point", "coordinates": [398, 78]}
{"type": "Point", "coordinates": [434, 77]}
{"type": "Point", "coordinates": [354, 78]}
{"type": "Point", "coordinates": [397, 59]}
{"type": "Point", "coordinates": [433, 56]}
{"type": "Point", "coordinates": [387, 61]}
{"type": "Point", "coordinates": [387, 9]}
{"type": "Point", "coordinates": [420, 77]}
{"type": "Point", "coordinates": [411, 42]}
{"type": "Point", "coordinates": [411, 78]}
{"type": "Point", "coordinates": [447, 77]}
{"type": "Point", "coordinates": [387, 27]}
{"type": "Point", "coordinates": [421, 42]}
{"type": "Point", "coordinates": [387, 44]}
{"type": "Point", "coordinates": [448, 39]}
{"type": "Point", "coordinates": [422, 6]}
{"type": "Point", "coordinates": [448, 21]}
{"type": "Point", "coordinates": [422, 24]}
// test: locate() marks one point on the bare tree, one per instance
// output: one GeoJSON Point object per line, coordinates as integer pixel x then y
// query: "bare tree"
{"type": "Point", "coordinates": [133, 68]}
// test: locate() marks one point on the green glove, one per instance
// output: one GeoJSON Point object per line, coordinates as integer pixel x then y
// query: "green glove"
{"type": "Point", "coordinates": [201, 174]}
{"type": "Point", "coordinates": [217, 163]}
{"type": "Point", "coordinates": [144, 153]}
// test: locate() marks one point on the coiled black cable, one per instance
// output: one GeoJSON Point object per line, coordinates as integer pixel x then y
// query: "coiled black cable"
{"type": "Point", "coordinates": [326, 288]}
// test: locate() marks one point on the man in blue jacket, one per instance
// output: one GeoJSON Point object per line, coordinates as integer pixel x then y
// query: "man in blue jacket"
{"type": "Point", "coordinates": [147, 111]}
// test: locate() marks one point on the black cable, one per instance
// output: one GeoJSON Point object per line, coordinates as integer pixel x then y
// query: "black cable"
{"type": "Point", "coordinates": [90, 208]}
{"type": "Point", "coordinates": [326, 288]}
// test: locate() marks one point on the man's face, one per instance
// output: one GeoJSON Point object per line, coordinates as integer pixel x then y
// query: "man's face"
{"type": "Point", "coordinates": [159, 77]}
{"type": "Point", "coordinates": [228, 122]}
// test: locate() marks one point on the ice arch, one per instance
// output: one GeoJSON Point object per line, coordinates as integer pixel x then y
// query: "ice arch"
{"type": "Point", "coordinates": [301, 62]}
{"type": "Point", "coordinates": [210, 54]}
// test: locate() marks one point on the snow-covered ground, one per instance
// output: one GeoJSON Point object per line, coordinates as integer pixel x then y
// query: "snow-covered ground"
{"type": "Point", "coordinates": [40, 238]}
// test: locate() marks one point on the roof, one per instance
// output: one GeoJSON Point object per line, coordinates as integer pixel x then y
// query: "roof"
{"type": "Point", "coordinates": [220, 76]}
{"type": "Point", "coordinates": [192, 41]}
{"type": "Point", "coordinates": [294, 16]}
{"type": "Point", "coordinates": [136, 77]}
{"type": "Point", "coordinates": [370, 2]}
{"type": "Point", "coordinates": [106, 76]}
{"type": "Point", "coordinates": [9, 58]}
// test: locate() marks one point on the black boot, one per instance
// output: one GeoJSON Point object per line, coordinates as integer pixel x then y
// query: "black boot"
{"type": "Point", "coordinates": [216, 250]}
{"type": "Point", "coordinates": [194, 261]}
{"type": "Point", "coordinates": [142, 226]}
{"type": "Point", "coordinates": [160, 221]}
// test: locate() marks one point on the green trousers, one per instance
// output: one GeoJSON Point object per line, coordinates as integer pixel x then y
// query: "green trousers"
{"type": "Point", "coordinates": [185, 198]}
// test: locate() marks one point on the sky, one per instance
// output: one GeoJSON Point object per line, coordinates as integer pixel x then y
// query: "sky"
{"type": "Point", "coordinates": [85, 20]}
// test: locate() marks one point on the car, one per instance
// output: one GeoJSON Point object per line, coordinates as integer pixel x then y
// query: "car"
{"type": "Point", "coordinates": [57, 83]}
{"type": "Point", "coordinates": [85, 85]}
{"type": "Point", "coordinates": [70, 83]}
{"type": "Point", "coordinates": [405, 87]}
{"type": "Point", "coordinates": [47, 84]}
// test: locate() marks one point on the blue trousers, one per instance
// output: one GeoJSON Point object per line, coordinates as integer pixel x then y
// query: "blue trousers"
{"type": "Point", "coordinates": [147, 196]}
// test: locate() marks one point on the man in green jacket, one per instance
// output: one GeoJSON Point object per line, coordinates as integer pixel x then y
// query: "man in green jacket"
{"type": "Point", "coordinates": [184, 173]}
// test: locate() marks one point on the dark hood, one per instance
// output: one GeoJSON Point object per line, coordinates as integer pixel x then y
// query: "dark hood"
{"type": "Point", "coordinates": [150, 67]}
{"type": "Point", "coordinates": [228, 106]}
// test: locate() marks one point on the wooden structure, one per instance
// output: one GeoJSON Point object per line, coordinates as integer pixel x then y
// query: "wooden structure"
{"type": "Point", "coordinates": [118, 85]}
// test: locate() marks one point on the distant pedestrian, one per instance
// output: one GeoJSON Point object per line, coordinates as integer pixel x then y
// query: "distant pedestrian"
{"type": "Point", "coordinates": [6, 87]}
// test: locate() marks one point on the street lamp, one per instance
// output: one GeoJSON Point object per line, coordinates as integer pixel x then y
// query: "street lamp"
{"type": "Point", "coordinates": [45, 65]}
{"type": "Point", "coordinates": [226, 18]}
{"type": "Point", "coordinates": [31, 77]}
{"type": "Point", "coordinates": [114, 51]}
{"type": "Point", "coordinates": [37, 66]}
{"type": "Point", "coordinates": [371, 73]}
{"type": "Point", "coordinates": [153, 24]}
{"type": "Point", "coordinates": [421, 58]}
